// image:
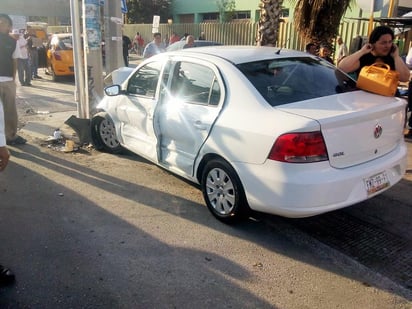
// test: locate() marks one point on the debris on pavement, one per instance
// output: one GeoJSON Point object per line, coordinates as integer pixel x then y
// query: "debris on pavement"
{"type": "Point", "coordinates": [59, 142]}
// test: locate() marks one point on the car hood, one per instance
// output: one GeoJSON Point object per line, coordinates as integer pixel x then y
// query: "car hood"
{"type": "Point", "coordinates": [357, 126]}
{"type": "Point", "coordinates": [118, 76]}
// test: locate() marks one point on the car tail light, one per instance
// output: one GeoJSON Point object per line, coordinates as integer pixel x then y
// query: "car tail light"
{"type": "Point", "coordinates": [299, 148]}
{"type": "Point", "coordinates": [57, 57]}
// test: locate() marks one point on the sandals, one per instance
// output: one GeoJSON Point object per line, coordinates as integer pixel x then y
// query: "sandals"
{"type": "Point", "coordinates": [6, 276]}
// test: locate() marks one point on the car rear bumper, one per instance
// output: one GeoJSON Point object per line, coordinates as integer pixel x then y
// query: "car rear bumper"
{"type": "Point", "coordinates": [302, 190]}
{"type": "Point", "coordinates": [63, 69]}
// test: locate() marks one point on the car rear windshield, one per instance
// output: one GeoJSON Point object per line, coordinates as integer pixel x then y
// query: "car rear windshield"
{"type": "Point", "coordinates": [288, 80]}
{"type": "Point", "coordinates": [66, 43]}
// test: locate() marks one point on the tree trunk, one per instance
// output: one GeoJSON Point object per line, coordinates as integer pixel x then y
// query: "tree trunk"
{"type": "Point", "coordinates": [318, 21]}
{"type": "Point", "coordinates": [269, 21]}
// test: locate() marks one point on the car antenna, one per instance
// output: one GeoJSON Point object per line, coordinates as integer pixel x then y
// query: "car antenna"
{"type": "Point", "coordinates": [284, 45]}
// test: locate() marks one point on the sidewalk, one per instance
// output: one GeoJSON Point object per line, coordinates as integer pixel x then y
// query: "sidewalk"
{"type": "Point", "coordinates": [46, 105]}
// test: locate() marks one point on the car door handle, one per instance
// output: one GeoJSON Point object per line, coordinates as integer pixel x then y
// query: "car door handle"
{"type": "Point", "coordinates": [199, 125]}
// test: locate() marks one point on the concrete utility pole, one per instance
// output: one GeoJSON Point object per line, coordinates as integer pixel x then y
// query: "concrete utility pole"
{"type": "Point", "coordinates": [113, 23]}
{"type": "Point", "coordinates": [87, 64]}
{"type": "Point", "coordinates": [93, 66]}
{"type": "Point", "coordinates": [77, 57]}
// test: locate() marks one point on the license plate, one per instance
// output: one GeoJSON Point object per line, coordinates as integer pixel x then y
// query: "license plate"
{"type": "Point", "coordinates": [376, 183]}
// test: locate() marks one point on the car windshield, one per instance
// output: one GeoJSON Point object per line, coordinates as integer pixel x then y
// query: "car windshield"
{"type": "Point", "coordinates": [288, 80]}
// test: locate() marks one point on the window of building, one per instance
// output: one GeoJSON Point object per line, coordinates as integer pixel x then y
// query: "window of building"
{"type": "Point", "coordinates": [210, 17]}
{"type": "Point", "coordinates": [284, 13]}
{"type": "Point", "coordinates": [241, 15]}
{"type": "Point", "coordinates": [187, 18]}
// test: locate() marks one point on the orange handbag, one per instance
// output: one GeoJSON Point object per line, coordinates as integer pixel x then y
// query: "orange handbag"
{"type": "Point", "coordinates": [378, 78]}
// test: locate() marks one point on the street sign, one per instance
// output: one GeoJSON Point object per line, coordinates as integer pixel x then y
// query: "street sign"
{"type": "Point", "coordinates": [124, 6]}
{"type": "Point", "coordinates": [156, 21]}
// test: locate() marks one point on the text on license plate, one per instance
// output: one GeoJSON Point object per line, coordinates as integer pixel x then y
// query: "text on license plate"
{"type": "Point", "coordinates": [376, 183]}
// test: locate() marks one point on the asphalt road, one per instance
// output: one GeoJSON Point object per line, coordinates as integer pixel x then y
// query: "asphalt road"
{"type": "Point", "coordinates": [91, 230]}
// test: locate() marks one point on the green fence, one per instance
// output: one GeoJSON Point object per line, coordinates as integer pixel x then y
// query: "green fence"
{"type": "Point", "coordinates": [237, 33]}
{"type": "Point", "coordinates": [243, 33]}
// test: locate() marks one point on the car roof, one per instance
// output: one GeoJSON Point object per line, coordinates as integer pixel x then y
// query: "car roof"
{"type": "Point", "coordinates": [196, 41]}
{"type": "Point", "coordinates": [242, 54]}
{"type": "Point", "coordinates": [179, 44]}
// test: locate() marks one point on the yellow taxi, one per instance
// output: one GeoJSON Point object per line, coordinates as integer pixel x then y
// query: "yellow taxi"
{"type": "Point", "coordinates": [60, 55]}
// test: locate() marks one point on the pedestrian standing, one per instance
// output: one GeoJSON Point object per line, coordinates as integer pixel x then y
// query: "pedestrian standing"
{"type": "Point", "coordinates": [310, 48]}
{"type": "Point", "coordinates": [33, 42]}
{"type": "Point", "coordinates": [190, 41]}
{"type": "Point", "coordinates": [23, 65]}
{"type": "Point", "coordinates": [380, 48]}
{"type": "Point", "coordinates": [6, 275]}
{"type": "Point", "coordinates": [408, 61]}
{"type": "Point", "coordinates": [324, 52]}
{"type": "Point", "coordinates": [342, 50]}
{"type": "Point", "coordinates": [127, 44]}
{"type": "Point", "coordinates": [8, 67]}
{"type": "Point", "coordinates": [138, 43]}
{"type": "Point", "coordinates": [174, 38]}
{"type": "Point", "coordinates": [155, 47]}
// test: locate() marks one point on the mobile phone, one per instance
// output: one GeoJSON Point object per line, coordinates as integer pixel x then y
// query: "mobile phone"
{"type": "Point", "coordinates": [393, 48]}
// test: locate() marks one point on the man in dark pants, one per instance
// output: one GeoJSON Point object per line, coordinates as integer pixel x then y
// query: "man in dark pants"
{"type": "Point", "coordinates": [408, 133]}
{"type": "Point", "coordinates": [127, 43]}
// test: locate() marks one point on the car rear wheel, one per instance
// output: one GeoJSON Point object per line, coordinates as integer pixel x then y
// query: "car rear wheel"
{"type": "Point", "coordinates": [104, 133]}
{"type": "Point", "coordinates": [223, 192]}
{"type": "Point", "coordinates": [51, 71]}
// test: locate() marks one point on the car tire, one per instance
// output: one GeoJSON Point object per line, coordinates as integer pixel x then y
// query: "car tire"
{"type": "Point", "coordinates": [55, 78]}
{"type": "Point", "coordinates": [223, 192]}
{"type": "Point", "coordinates": [103, 133]}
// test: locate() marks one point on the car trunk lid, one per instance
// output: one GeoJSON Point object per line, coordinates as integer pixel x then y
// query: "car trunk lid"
{"type": "Point", "coordinates": [357, 126]}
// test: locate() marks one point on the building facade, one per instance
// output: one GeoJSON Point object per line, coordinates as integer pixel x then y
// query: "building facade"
{"type": "Point", "coordinates": [189, 11]}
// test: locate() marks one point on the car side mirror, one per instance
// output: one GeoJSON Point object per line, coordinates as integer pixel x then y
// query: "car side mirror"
{"type": "Point", "coordinates": [112, 90]}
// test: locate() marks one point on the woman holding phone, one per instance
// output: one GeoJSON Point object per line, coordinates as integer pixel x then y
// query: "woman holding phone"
{"type": "Point", "coordinates": [380, 48]}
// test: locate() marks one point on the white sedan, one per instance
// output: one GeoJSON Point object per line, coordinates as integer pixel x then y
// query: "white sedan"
{"type": "Point", "coordinates": [263, 129]}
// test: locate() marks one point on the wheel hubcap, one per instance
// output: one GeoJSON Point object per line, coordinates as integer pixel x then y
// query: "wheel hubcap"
{"type": "Point", "coordinates": [108, 133]}
{"type": "Point", "coordinates": [220, 191]}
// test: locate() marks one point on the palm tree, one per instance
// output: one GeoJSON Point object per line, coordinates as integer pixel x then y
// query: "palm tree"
{"type": "Point", "coordinates": [317, 21]}
{"type": "Point", "coordinates": [269, 21]}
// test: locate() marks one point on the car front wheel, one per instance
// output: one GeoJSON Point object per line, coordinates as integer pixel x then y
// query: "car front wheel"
{"type": "Point", "coordinates": [223, 192]}
{"type": "Point", "coordinates": [104, 133]}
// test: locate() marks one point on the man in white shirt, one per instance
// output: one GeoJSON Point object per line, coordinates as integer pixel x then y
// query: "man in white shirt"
{"type": "Point", "coordinates": [155, 47]}
{"type": "Point", "coordinates": [342, 50]}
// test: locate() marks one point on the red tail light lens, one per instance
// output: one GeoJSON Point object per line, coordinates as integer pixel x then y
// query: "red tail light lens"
{"type": "Point", "coordinates": [299, 148]}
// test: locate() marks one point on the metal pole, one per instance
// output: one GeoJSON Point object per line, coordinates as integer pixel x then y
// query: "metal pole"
{"type": "Point", "coordinates": [78, 66]}
{"type": "Point", "coordinates": [93, 71]}
{"type": "Point", "coordinates": [113, 35]}
{"type": "Point", "coordinates": [390, 10]}
{"type": "Point", "coordinates": [370, 25]}
{"type": "Point", "coordinates": [86, 110]}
